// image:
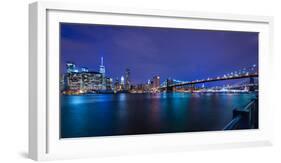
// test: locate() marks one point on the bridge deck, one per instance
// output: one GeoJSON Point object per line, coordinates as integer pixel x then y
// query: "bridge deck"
{"type": "Point", "coordinates": [213, 80]}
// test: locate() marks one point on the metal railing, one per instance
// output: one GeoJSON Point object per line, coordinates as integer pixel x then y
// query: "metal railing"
{"type": "Point", "coordinates": [244, 118]}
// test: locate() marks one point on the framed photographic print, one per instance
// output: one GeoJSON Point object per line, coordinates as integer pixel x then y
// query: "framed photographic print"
{"type": "Point", "coordinates": [110, 81]}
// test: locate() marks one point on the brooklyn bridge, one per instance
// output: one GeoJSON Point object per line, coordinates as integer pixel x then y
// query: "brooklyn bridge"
{"type": "Point", "coordinates": [250, 73]}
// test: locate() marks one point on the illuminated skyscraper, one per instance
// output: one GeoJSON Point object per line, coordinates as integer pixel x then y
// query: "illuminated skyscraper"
{"type": "Point", "coordinates": [102, 68]}
{"type": "Point", "coordinates": [117, 86]}
{"type": "Point", "coordinates": [122, 82]}
{"type": "Point", "coordinates": [109, 83]}
{"type": "Point", "coordinates": [127, 79]}
{"type": "Point", "coordinates": [102, 72]}
{"type": "Point", "coordinates": [156, 82]}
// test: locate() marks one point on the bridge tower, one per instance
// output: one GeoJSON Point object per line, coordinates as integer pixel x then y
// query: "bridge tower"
{"type": "Point", "coordinates": [251, 84]}
{"type": "Point", "coordinates": [169, 87]}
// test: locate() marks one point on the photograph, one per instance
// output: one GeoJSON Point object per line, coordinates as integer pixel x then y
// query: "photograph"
{"type": "Point", "coordinates": [118, 80]}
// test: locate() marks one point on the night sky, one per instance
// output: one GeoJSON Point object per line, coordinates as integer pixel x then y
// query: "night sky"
{"type": "Point", "coordinates": [182, 54]}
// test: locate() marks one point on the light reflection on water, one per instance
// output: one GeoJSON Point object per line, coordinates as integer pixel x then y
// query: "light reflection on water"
{"type": "Point", "coordinates": [123, 114]}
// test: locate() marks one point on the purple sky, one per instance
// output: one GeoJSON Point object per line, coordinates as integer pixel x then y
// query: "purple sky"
{"type": "Point", "coordinates": [182, 54]}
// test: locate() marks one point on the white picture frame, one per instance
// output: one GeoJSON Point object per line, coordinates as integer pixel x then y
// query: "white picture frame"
{"type": "Point", "coordinates": [44, 142]}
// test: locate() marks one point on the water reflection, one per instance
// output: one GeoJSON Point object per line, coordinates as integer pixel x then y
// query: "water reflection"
{"type": "Point", "coordinates": [123, 114]}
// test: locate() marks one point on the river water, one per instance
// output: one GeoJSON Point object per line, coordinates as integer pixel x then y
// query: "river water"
{"type": "Point", "coordinates": [127, 114]}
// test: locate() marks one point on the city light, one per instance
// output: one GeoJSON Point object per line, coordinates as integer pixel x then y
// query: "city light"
{"type": "Point", "coordinates": [85, 81]}
{"type": "Point", "coordinates": [122, 80]}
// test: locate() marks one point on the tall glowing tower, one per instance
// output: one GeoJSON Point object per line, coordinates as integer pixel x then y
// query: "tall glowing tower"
{"type": "Point", "coordinates": [102, 68]}
{"type": "Point", "coordinates": [127, 79]}
{"type": "Point", "coordinates": [102, 71]}
{"type": "Point", "coordinates": [122, 82]}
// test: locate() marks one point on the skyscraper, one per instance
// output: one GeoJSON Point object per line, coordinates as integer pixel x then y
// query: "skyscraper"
{"type": "Point", "coordinates": [127, 79]}
{"type": "Point", "coordinates": [117, 86]}
{"type": "Point", "coordinates": [102, 71]}
{"type": "Point", "coordinates": [122, 82]}
{"type": "Point", "coordinates": [102, 68]}
{"type": "Point", "coordinates": [156, 82]}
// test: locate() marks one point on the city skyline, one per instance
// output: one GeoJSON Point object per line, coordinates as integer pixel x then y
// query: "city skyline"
{"type": "Point", "coordinates": [127, 80]}
{"type": "Point", "coordinates": [82, 79]}
{"type": "Point", "coordinates": [137, 50]}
